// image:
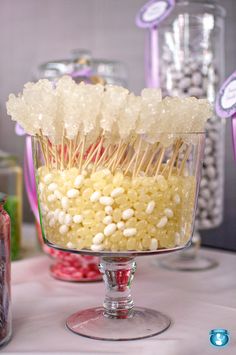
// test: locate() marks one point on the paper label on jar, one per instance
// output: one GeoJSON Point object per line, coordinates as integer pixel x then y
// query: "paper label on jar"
{"type": "Point", "coordinates": [153, 12]}
{"type": "Point", "coordinates": [226, 98]}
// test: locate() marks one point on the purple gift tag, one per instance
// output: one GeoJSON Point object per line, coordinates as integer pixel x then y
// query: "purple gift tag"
{"type": "Point", "coordinates": [153, 12]}
{"type": "Point", "coordinates": [226, 104]}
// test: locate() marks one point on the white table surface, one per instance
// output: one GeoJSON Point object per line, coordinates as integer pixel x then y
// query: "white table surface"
{"type": "Point", "coordinates": [196, 303]}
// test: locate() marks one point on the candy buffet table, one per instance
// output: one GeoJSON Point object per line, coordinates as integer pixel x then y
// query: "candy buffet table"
{"type": "Point", "coordinates": [196, 302]}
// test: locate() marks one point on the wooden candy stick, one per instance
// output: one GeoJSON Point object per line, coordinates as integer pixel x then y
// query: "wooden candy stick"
{"type": "Point", "coordinates": [137, 155]}
{"type": "Point", "coordinates": [82, 153]}
{"type": "Point", "coordinates": [186, 156]}
{"type": "Point", "coordinates": [98, 154]}
{"type": "Point", "coordinates": [161, 156]}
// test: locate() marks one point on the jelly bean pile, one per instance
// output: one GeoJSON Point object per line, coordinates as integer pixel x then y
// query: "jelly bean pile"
{"type": "Point", "coordinates": [109, 211]}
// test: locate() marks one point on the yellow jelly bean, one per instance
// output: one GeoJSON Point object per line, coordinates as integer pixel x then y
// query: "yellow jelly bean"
{"type": "Point", "coordinates": [131, 244]}
{"type": "Point", "coordinates": [131, 223]}
{"type": "Point", "coordinates": [116, 215]}
{"type": "Point", "coordinates": [100, 215]}
{"type": "Point", "coordinates": [107, 189]}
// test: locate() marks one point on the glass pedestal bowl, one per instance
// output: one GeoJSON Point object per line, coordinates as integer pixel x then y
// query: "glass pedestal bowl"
{"type": "Point", "coordinates": [118, 201]}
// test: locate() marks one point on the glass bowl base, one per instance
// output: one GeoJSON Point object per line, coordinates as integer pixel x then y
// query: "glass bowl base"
{"type": "Point", "coordinates": [92, 323]}
{"type": "Point", "coordinates": [180, 263]}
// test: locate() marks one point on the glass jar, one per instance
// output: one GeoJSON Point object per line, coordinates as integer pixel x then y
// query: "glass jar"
{"type": "Point", "coordinates": [83, 67]}
{"type": "Point", "coordinates": [11, 184]}
{"type": "Point", "coordinates": [191, 46]}
{"type": "Point", "coordinates": [5, 278]}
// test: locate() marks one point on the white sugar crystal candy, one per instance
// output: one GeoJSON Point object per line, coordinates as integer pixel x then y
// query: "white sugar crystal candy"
{"type": "Point", "coordinates": [97, 247]}
{"type": "Point", "coordinates": [98, 238]}
{"type": "Point", "coordinates": [126, 214]}
{"type": "Point", "coordinates": [48, 178]}
{"type": "Point", "coordinates": [150, 207]}
{"type": "Point", "coordinates": [69, 96]}
{"type": "Point", "coordinates": [72, 193]}
{"type": "Point", "coordinates": [153, 244]}
{"type": "Point", "coordinates": [90, 101]}
{"type": "Point", "coordinates": [168, 212]}
{"type": "Point", "coordinates": [117, 191]}
{"type": "Point", "coordinates": [107, 220]}
{"type": "Point", "coordinates": [120, 225]}
{"type": "Point", "coordinates": [51, 198]}
{"type": "Point", "coordinates": [68, 219]}
{"type": "Point", "coordinates": [106, 200]}
{"type": "Point", "coordinates": [128, 119]}
{"type": "Point", "coordinates": [79, 181]}
{"type": "Point", "coordinates": [77, 218]}
{"type": "Point", "coordinates": [52, 187]}
{"type": "Point", "coordinates": [163, 221]}
{"type": "Point", "coordinates": [176, 199]}
{"type": "Point", "coordinates": [58, 194]}
{"type": "Point", "coordinates": [95, 196]}
{"type": "Point", "coordinates": [52, 222]}
{"type": "Point", "coordinates": [151, 99]}
{"type": "Point", "coordinates": [63, 229]}
{"type": "Point", "coordinates": [129, 232]}
{"type": "Point", "coordinates": [108, 209]}
{"type": "Point", "coordinates": [110, 229]}
{"type": "Point", "coordinates": [64, 202]}
{"type": "Point", "coordinates": [61, 217]}
{"type": "Point", "coordinates": [70, 245]}
{"type": "Point", "coordinates": [114, 99]}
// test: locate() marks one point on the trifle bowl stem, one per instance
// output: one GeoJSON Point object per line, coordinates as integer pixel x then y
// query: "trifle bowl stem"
{"type": "Point", "coordinates": [118, 319]}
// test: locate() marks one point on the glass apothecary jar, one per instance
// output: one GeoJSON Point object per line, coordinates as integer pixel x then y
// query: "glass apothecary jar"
{"type": "Point", "coordinates": [5, 276]}
{"type": "Point", "coordinates": [11, 184]}
{"type": "Point", "coordinates": [191, 51]}
{"type": "Point", "coordinates": [83, 67]}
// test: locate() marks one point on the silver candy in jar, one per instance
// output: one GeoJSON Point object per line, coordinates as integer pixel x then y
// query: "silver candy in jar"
{"type": "Point", "coordinates": [195, 77]}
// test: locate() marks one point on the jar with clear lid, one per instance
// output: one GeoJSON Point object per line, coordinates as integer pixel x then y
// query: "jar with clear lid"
{"type": "Point", "coordinates": [11, 185]}
{"type": "Point", "coordinates": [5, 276]}
{"type": "Point", "coordinates": [83, 67]}
{"type": "Point", "coordinates": [191, 50]}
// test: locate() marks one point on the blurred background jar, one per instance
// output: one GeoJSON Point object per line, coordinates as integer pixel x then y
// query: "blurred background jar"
{"type": "Point", "coordinates": [192, 56]}
{"type": "Point", "coordinates": [11, 185]}
{"type": "Point", "coordinates": [5, 275]}
{"type": "Point", "coordinates": [83, 67]}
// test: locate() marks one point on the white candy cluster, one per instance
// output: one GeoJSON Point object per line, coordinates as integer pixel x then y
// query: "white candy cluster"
{"type": "Point", "coordinates": [68, 109]}
{"type": "Point", "coordinates": [105, 211]}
